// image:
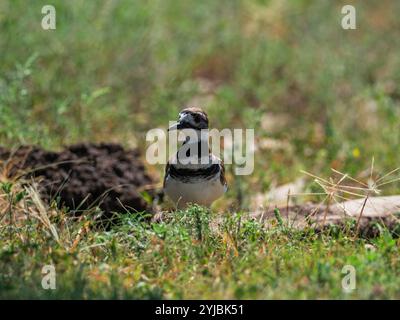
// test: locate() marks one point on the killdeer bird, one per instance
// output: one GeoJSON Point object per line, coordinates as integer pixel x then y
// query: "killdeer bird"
{"type": "Point", "coordinates": [194, 174]}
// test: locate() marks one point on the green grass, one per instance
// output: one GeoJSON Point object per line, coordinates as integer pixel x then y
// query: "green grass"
{"type": "Point", "coordinates": [188, 258]}
{"type": "Point", "coordinates": [114, 69]}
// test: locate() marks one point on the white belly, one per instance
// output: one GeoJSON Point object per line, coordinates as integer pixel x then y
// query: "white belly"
{"type": "Point", "coordinates": [201, 192]}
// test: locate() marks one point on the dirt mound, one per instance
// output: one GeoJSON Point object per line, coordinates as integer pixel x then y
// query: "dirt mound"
{"type": "Point", "coordinates": [83, 176]}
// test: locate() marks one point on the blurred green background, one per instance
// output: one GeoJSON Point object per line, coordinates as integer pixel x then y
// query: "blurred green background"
{"type": "Point", "coordinates": [317, 96]}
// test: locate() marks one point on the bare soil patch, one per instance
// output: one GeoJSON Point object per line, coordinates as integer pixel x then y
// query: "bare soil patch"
{"type": "Point", "coordinates": [83, 176]}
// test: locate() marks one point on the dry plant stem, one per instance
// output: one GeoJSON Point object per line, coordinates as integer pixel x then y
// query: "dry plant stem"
{"type": "Point", "coordinates": [361, 213]}
{"type": "Point", "coordinates": [328, 202]}
{"type": "Point", "coordinates": [350, 178]}
{"type": "Point", "coordinates": [82, 231]}
{"type": "Point", "coordinates": [42, 214]}
{"type": "Point", "coordinates": [331, 195]}
{"type": "Point", "coordinates": [388, 182]}
{"type": "Point", "coordinates": [316, 209]}
{"type": "Point", "coordinates": [387, 174]}
{"type": "Point", "coordinates": [55, 164]}
{"type": "Point", "coordinates": [153, 186]}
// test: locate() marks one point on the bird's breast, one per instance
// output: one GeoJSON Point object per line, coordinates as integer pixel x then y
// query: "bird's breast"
{"type": "Point", "coordinates": [200, 191]}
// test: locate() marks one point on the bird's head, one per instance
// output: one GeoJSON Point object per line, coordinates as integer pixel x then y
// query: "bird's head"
{"type": "Point", "coordinates": [191, 118]}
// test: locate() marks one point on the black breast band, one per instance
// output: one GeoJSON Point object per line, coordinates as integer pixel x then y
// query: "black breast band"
{"type": "Point", "coordinates": [183, 174]}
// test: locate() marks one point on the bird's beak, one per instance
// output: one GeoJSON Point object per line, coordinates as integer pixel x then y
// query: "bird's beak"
{"type": "Point", "coordinates": [175, 126]}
